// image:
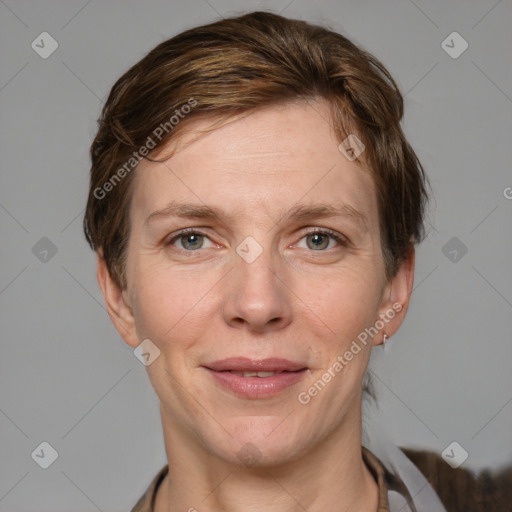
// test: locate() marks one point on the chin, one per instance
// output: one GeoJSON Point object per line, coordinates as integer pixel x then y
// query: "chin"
{"type": "Point", "coordinates": [258, 441]}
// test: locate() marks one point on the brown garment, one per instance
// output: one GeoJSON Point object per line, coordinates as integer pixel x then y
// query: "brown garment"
{"type": "Point", "coordinates": [458, 489]}
{"type": "Point", "coordinates": [461, 491]}
{"type": "Point", "coordinates": [385, 481]}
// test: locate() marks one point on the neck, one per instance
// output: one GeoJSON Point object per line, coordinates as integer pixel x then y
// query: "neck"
{"type": "Point", "coordinates": [332, 476]}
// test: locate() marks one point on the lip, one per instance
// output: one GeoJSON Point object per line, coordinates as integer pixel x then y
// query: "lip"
{"type": "Point", "coordinates": [244, 364]}
{"type": "Point", "coordinates": [256, 387]}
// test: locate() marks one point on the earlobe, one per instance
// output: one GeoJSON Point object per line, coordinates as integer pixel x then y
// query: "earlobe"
{"type": "Point", "coordinates": [396, 298]}
{"type": "Point", "coordinates": [117, 303]}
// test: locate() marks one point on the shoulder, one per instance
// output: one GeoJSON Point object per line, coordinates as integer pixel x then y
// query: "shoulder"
{"type": "Point", "coordinates": [459, 489]}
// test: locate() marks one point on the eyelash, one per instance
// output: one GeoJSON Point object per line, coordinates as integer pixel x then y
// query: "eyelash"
{"type": "Point", "coordinates": [343, 241]}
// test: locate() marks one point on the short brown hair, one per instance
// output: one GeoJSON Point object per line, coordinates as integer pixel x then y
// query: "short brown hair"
{"type": "Point", "coordinates": [232, 67]}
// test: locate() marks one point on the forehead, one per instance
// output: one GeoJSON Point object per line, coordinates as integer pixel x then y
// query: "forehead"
{"type": "Point", "coordinates": [283, 155]}
{"type": "Point", "coordinates": [286, 129]}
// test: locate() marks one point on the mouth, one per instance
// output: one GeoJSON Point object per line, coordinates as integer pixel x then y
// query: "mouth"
{"type": "Point", "coordinates": [256, 379]}
{"type": "Point", "coordinates": [244, 364]}
{"type": "Point", "coordinates": [261, 375]}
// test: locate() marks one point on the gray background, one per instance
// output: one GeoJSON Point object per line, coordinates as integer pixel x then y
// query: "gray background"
{"type": "Point", "coordinates": [68, 379]}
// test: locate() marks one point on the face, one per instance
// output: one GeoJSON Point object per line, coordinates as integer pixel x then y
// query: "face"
{"type": "Point", "coordinates": [255, 265]}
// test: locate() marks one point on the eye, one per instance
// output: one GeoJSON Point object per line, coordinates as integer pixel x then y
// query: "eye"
{"type": "Point", "coordinates": [190, 240]}
{"type": "Point", "coordinates": [320, 240]}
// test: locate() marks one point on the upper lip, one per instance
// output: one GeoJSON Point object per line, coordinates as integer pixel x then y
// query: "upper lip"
{"type": "Point", "coordinates": [244, 364]}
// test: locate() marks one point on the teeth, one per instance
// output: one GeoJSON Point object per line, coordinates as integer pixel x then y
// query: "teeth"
{"type": "Point", "coordinates": [255, 374]}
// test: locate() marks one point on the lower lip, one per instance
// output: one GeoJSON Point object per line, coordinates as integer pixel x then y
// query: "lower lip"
{"type": "Point", "coordinates": [257, 387]}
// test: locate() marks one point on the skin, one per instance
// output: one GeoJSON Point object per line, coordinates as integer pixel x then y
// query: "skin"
{"type": "Point", "coordinates": [294, 301]}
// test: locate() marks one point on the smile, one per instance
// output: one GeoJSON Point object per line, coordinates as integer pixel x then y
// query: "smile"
{"type": "Point", "coordinates": [257, 385]}
{"type": "Point", "coordinates": [255, 374]}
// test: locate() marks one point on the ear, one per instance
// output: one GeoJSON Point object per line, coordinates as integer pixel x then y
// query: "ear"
{"type": "Point", "coordinates": [117, 302]}
{"type": "Point", "coordinates": [396, 298]}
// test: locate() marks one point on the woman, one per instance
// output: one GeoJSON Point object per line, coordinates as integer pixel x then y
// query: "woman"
{"type": "Point", "coordinates": [255, 206]}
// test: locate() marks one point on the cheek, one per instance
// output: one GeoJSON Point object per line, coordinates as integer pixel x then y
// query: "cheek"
{"type": "Point", "coordinates": [170, 306]}
{"type": "Point", "coordinates": [344, 302]}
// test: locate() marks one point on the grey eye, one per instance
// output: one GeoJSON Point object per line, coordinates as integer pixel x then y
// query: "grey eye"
{"type": "Point", "coordinates": [192, 241]}
{"type": "Point", "coordinates": [318, 241]}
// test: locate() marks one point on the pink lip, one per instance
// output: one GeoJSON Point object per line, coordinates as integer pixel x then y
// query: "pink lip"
{"type": "Point", "coordinates": [256, 387]}
{"type": "Point", "coordinates": [244, 364]}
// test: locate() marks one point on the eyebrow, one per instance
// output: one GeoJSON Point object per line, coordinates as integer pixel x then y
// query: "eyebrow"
{"type": "Point", "coordinates": [299, 213]}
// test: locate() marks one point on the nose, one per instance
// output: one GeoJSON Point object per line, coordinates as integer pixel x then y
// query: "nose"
{"type": "Point", "coordinates": [257, 295]}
